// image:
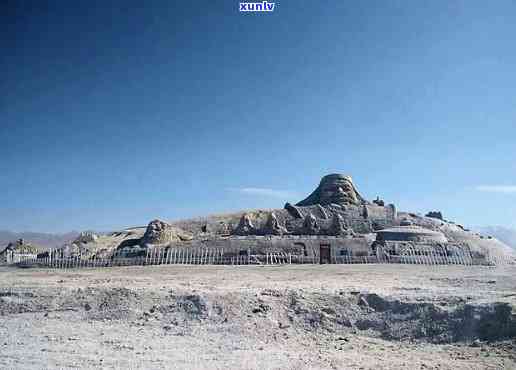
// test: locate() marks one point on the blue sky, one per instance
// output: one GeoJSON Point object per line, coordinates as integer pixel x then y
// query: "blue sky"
{"type": "Point", "coordinates": [114, 114]}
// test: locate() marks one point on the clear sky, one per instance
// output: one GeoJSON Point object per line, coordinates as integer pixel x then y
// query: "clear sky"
{"type": "Point", "coordinates": [113, 113]}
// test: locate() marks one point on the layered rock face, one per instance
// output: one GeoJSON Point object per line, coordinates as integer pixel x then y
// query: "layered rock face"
{"type": "Point", "coordinates": [334, 189]}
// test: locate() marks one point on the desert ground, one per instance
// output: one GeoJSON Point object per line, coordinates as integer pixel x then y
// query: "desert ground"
{"type": "Point", "coordinates": [259, 317]}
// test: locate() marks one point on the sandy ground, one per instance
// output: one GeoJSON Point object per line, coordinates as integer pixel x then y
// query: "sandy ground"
{"type": "Point", "coordinates": [253, 317]}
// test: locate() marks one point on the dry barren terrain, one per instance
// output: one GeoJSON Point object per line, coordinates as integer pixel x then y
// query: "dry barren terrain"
{"type": "Point", "coordinates": [253, 317]}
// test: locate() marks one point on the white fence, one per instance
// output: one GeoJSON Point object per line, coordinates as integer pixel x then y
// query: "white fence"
{"type": "Point", "coordinates": [213, 256]}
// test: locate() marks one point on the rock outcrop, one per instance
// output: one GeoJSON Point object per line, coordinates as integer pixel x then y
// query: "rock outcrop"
{"type": "Point", "coordinates": [159, 232]}
{"type": "Point", "coordinates": [272, 226]}
{"type": "Point", "coordinates": [293, 211]}
{"type": "Point", "coordinates": [310, 225]}
{"type": "Point", "coordinates": [245, 226]}
{"type": "Point", "coordinates": [338, 226]}
{"type": "Point", "coordinates": [21, 247]}
{"type": "Point", "coordinates": [334, 189]}
{"type": "Point", "coordinates": [86, 237]}
{"type": "Point", "coordinates": [435, 214]}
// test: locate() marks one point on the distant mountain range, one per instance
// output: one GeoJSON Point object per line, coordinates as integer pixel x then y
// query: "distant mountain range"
{"type": "Point", "coordinates": [45, 240]}
{"type": "Point", "coordinates": [504, 234]}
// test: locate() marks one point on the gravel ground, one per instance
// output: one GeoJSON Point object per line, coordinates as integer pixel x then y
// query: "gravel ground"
{"type": "Point", "coordinates": [259, 317]}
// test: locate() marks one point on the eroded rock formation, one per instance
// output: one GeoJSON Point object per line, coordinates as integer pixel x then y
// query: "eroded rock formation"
{"type": "Point", "coordinates": [310, 225]}
{"type": "Point", "coordinates": [334, 189]}
{"type": "Point", "coordinates": [272, 226]}
{"type": "Point", "coordinates": [86, 237]}
{"type": "Point", "coordinates": [338, 226]}
{"type": "Point", "coordinates": [293, 211]}
{"type": "Point", "coordinates": [245, 226]}
{"type": "Point", "coordinates": [159, 232]}
{"type": "Point", "coordinates": [335, 195]}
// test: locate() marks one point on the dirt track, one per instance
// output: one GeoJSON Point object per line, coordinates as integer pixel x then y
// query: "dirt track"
{"type": "Point", "coordinates": [273, 317]}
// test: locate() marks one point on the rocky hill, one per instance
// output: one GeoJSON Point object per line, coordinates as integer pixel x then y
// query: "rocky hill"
{"type": "Point", "coordinates": [335, 208]}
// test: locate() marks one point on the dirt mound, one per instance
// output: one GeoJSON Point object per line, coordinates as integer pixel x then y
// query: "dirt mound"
{"type": "Point", "coordinates": [393, 319]}
{"type": "Point", "coordinates": [366, 314]}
